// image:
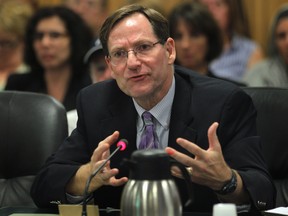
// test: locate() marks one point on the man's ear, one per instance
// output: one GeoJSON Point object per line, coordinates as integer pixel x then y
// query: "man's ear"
{"type": "Point", "coordinates": [170, 47]}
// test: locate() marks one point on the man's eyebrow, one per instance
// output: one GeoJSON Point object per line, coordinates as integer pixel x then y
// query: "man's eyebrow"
{"type": "Point", "coordinates": [136, 43]}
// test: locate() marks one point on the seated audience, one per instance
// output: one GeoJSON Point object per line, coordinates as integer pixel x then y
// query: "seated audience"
{"type": "Point", "coordinates": [14, 15]}
{"type": "Point", "coordinates": [56, 42]}
{"type": "Point", "coordinates": [95, 59]}
{"type": "Point", "coordinates": [154, 4]}
{"type": "Point", "coordinates": [273, 71]}
{"type": "Point", "coordinates": [98, 70]}
{"type": "Point", "coordinates": [206, 124]}
{"type": "Point", "coordinates": [239, 52]}
{"type": "Point", "coordinates": [197, 37]}
{"type": "Point", "coordinates": [93, 12]}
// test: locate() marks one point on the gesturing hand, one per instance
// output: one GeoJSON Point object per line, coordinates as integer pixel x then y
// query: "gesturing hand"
{"type": "Point", "coordinates": [208, 167]}
{"type": "Point", "coordinates": [107, 175]}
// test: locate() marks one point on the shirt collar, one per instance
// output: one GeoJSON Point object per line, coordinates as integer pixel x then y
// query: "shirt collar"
{"type": "Point", "coordinates": [162, 110]}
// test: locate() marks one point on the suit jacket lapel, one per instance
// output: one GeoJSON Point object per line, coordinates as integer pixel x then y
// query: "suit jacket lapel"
{"type": "Point", "coordinates": [182, 113]}
{"type": "Point", "coordinates": [122, 118]}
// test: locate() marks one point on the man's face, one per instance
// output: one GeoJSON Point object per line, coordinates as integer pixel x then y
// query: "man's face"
{"type": "Point", "coordinates": [146, 77]}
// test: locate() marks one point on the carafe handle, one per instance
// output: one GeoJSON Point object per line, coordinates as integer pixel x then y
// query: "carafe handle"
{"type": "Point", "coordinates": [187, 179]}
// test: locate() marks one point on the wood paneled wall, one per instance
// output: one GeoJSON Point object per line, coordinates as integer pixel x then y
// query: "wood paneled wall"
{"type": "Point", "coordinates": [260, 15]}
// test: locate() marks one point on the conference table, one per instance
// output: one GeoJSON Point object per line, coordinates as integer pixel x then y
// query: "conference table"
{"type": "Point", "coordinates": [6, 211]}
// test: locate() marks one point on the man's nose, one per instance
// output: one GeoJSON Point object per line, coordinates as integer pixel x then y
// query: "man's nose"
{"type": "Point", "coordinates": [132, 58]}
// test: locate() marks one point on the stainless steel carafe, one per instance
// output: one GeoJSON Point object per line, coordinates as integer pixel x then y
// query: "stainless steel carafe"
{"type": "Point", "coordinates": [151, 190]}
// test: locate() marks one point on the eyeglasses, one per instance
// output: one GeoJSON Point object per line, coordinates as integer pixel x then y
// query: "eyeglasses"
{"type": "Point", "coordinates": [142, 50]}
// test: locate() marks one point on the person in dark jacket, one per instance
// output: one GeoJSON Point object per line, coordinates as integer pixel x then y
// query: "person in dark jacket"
{"type": "Point", "coordinates": [206, 124]}
{"type": "Point", "coordinates": [56, 42]}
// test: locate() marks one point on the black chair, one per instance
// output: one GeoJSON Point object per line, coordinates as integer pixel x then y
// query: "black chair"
{"type": "Point", "coordinates": [32, 126]}
{"type": "Point", "coordinates": [272, 125]}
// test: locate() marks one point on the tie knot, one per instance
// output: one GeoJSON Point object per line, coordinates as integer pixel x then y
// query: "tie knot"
{"type": "Point", "coordinates": [147, 118]}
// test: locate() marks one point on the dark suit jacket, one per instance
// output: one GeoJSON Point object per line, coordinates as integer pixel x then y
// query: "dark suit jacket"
{"type": "Point", "coordinates": [33, 82]}
{"type": "Point", "coordinates": [199, 101]}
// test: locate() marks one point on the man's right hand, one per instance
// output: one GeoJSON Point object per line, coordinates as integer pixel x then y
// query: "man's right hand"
{"type": "Point", "coordinates": [106, 176]}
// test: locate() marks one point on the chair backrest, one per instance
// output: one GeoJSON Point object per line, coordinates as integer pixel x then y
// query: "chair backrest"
{"type": "Point", "coordinates": [32, 126]}
{"type": "Point", "coordinates": [272, 126]}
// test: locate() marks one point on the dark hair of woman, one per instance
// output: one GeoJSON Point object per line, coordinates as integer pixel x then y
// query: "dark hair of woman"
{"type": "Point", "coordinates": [79, 33]}
{"type": "Point", "coordinates": [199, 21]}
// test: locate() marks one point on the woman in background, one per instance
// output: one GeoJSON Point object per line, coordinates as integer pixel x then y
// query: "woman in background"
{"type": "Point", "coordinates": [56, 42]}
{"type": "Point", "coordinates": [273, 71]}
{"type": "Point", "coordinates": [197, 36]}
{"type": "Point", "coordinates": [14, 15]}
{"type": "Point", "coordinates": [239, 52]}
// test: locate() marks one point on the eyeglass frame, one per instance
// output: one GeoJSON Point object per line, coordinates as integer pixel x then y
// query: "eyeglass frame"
{"type": "Point", "coordinates": [134, 51]}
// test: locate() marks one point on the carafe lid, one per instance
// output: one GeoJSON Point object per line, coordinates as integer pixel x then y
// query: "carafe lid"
{"type": "Point", "coordinates": [152, 164]}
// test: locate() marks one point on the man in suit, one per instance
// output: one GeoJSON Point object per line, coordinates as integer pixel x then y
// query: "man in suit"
{"type": "Point", "coordinates": [206, 124]}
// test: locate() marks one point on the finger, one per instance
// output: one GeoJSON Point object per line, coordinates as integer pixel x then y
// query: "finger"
{"type": "Point", "coordinates": [175, 171]}
{"type": "Point", "coordinates": [191, 147]}
{"type": "Point", "coordinates": [213, 138]}
{"type": "Point", "coordinates": [95, 165]}
{"type": "Point", "coordinates": [108, 140]}
{"type": "Point", "coordinates": [111, 139]}
{"type": "Point", "coordinates": [98, 152]}
{"type": "Point", "coordinates": [182, 158]}
{"type": "Point", "coordinates": [109, 178]}
{"type": "Point", "coordinates": [107, 174]}
{"type": "Point", "coordinates": [118, 182]}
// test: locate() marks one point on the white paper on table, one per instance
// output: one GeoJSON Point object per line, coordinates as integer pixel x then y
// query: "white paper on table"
{"type": "Point", "coordinates": [277, 211]}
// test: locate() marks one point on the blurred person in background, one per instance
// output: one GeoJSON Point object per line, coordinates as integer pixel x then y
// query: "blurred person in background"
{"type": "Point", "coordinates": [273, 71]}
{"type": "Point", "coordinates": [197, 37]}
{"type": "Point", "coordinates": [95, 59]}
{"type": "Point", "coordinates": [14, 15]}
{"type": "Point", "coordinates": [56, 42]}
{"type": "Point", "coordinates": [93, 12]}
{"type": "Point", "coordinates": [239, 52]}
{"type": "Point", "coordinates": [155, 4]}
{"type": "Point", "coordinates": [98, 70]}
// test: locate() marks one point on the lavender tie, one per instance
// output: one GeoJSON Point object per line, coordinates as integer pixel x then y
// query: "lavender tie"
{"type": "Point", "coordinates": [149, 138]}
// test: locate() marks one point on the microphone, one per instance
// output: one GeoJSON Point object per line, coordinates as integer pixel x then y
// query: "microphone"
{"type": "Point", "coordinates": [121, 145]}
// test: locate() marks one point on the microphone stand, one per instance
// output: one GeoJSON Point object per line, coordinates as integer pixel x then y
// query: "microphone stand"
{"type": "Point", "coordinates": [120, 145]}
